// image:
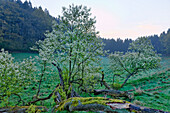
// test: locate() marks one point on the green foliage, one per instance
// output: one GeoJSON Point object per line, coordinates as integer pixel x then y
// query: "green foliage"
{"type": "Point", "coordinates": [140, 57]}
{"type": "Point", "coordinates": [145, 80]}
{"type": "Point", "coordinates": [14, 75]}
{"type": "Point", "coordinates": [73, 45]}
{"type": "Point", "coordinates": [116, 86]}
{"type": "Point", "coordinates": [74, 48]}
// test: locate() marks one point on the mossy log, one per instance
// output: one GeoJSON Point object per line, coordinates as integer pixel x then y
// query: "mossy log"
{"type": "Point", "coordinates": [88, 104]}
{"type": "Point", "coordinates": [88, 107]}
{"type": "Point", "coordinates": [114, 93]}
{"type": "Point", "coordinates": [103, 104]}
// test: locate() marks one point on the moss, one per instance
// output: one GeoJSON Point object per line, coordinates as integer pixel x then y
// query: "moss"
{"type": "Point", "coordinates": [88, 100]}
{"type": "Point", "coordinates": [116, 85]}
{"type": "Point", "coordinates": [31, 109]}
{"type": "Point", "coordinates": [61, 92]}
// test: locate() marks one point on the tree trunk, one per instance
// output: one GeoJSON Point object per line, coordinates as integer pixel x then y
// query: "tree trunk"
{"type": "Point", "coordinates": [103, 82]}
{"type": "Point", "coordinates": [60, 74]}
{"type": "Point", "coordinates": [89, 107]}
{"type": "Point", "coordinates": [112, 92]}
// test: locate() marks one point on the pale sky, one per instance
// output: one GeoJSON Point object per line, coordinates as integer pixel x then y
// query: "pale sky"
{"type": "Point", "coordinates": [119, 18]}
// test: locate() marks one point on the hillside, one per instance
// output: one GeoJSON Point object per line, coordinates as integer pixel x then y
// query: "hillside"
{"type": "Point", "coordinates": [22, 25]}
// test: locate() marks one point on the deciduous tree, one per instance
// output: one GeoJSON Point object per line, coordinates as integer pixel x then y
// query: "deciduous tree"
{"type": "Point", "coordinates": [73, 47]}
{"type": "Point", "coordinates": [140, 56]}
{"type": "Point", "coordinates": [14, 76]}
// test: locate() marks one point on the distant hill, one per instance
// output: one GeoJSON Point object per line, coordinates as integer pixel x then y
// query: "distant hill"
{"type": "Point", "coordinates": [21, 25]}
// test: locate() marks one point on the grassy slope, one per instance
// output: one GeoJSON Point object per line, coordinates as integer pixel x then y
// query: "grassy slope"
{"type": "Point", "coordinates": [158, 98]}
{"type": "Point", "coordinates": [157, 79]}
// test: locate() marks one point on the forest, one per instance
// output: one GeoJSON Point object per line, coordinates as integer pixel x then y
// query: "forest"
{"type": "Point", "coordinates": [70, 68]}
{"type": "Point", "coordinates": [21, 25]}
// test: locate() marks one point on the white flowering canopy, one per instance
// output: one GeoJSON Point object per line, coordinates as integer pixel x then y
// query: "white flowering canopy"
{"type": "Point", "coordinates": [14, 76]}
{"type": "Point", "coordinates": [141, 56]}
{"type": "Point", "coordinates": [73, 43]}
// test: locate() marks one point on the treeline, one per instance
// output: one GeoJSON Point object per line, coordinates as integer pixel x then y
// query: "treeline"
{"type": "Point", "coordinates": [21, 25]}
{"type": "Point", "coordinates": [116, 45]}
{"type": "Point", "coordinates": [160, 43]}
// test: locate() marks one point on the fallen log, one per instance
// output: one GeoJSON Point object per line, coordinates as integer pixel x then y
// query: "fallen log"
{"type": "Point", "coordinates": [110, 92]}
{"type": "Point", "coordinates": [87, 104]}
{"type": "Point", "coordinates": [90, 107]}
{"type": "Point", "coordinates": [103, 104]}
{"type": "Point", "coordinates": [114, 93]}
{"type": "Point", "coordinates": [135, 108]}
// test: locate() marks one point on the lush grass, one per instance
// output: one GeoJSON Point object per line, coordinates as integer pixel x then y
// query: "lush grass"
{"type": "Point", "coordinates": [158, 98]}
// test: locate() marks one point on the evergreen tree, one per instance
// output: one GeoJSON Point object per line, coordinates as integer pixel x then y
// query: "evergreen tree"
{"type": "Point", "coordinates": [166, 41]}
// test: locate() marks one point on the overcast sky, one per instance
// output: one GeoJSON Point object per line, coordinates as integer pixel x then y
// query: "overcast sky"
{"type": "Point", "coordinates": [120, 18]}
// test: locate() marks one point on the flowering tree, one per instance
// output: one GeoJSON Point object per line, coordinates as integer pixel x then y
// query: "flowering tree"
{"type": "Point", "coordinates": [140, 56]}
{"type": "Point", "coordinates": [73, 47]}
{"type": "Point", "coordinates": [14, 76]}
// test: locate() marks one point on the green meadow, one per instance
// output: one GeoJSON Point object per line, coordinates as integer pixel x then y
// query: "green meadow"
{"type": "Point", "coordinates": [150, 88]}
